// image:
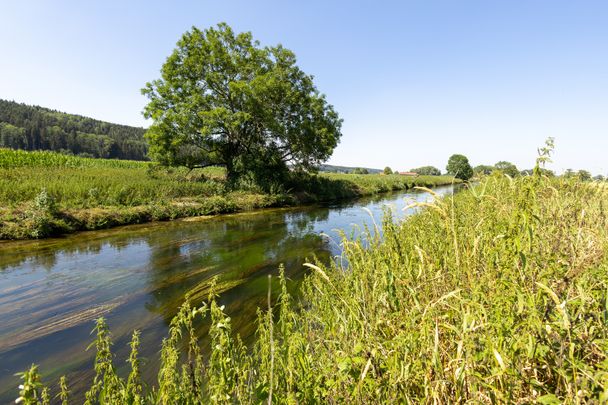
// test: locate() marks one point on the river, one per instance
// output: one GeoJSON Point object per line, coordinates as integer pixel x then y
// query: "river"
{"type": "Point", "coordinates": [137, 276]}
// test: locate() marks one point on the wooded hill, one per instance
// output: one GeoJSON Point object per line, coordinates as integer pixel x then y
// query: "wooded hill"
{"type": "Point", "coordinates": [37, 128]}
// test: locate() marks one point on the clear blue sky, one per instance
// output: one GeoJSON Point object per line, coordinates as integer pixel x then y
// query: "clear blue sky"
{"type": "Point", "coordinates": [414, 81]}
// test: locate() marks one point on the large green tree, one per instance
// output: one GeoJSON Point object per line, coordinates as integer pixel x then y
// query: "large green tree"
{"type": "Point", "coordinates": [459, 167]}
{"type": "Point", "coordinates": [222, 99]}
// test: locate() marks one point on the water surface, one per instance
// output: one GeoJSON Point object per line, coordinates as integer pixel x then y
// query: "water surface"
{"type": "Point", "coordinates": [137, 276]}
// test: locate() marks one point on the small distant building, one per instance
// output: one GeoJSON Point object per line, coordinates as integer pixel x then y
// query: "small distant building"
{"type": "Point", "coordinates": [413, 174]}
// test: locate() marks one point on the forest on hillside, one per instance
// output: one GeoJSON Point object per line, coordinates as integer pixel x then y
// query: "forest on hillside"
{"type": "Point", "coordinates": [37, 128]}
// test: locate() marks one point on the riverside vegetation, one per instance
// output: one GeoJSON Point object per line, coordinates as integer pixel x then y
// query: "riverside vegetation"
{"type": "Point", "coordinates": [496, 295]}
{"type": "Point", "coordinates": [45, 193]}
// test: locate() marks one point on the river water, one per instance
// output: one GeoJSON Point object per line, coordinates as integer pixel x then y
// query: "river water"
{"type": "Point", "coordinates": [51, 291]}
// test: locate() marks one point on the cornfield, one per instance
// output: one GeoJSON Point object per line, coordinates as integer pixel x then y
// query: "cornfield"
{"type": "Point", "coordinates": [12, 158]}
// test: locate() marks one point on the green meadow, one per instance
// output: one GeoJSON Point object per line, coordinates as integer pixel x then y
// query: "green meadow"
{"type": "Point", "coordinates": [47, 193]}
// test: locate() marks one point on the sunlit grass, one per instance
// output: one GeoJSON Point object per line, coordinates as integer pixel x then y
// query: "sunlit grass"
{"type": "Point", "coordinates": [86, 193]}
{"type": "Point", "coordinates": [496, 295]}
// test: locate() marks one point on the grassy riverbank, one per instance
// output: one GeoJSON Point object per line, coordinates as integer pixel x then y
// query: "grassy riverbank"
{"type": "Point", "coordinates": [498, 295]}
{"type": "Point", "coordinates": [45, 193]}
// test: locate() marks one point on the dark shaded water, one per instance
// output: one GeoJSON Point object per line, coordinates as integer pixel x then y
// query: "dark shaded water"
{"type": "Point", "coordinates": [137, 277]}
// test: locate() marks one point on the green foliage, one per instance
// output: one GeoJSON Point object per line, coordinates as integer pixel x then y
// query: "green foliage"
{"type": "Point", "coordinates": [82, 182]}
{"type": "Point", "coordinates": [568, 174]}
{"type": "Point", "coordinates": [483, 170]}
{"type": "Point", "coordinates": [545, 152]}
{"type": "Point", "coordinates": [459, 167]}
{"type": "Point", "coordinates": [44, 202]}
{"type": "Point", "coordinates": [388, 170]}
{"type": "Point", "coordinates": [36, 128]}
{"type": "Point", "coordinates": [31, 390]}
{"type": "Point", "coordinates": [224, 100]}
{"type": "Point", "coordinates": [47, 193]}
{"type": "Point", "coordinates": [14, 159]}
{"type": "Point", "coordinates": [583, 175]}
{"type": "Point", "coordinates": [507, 168]}
{"type": "Point", "coordinates": [134, 387]}
{"type": "Point", "coordinates": [106, 383]}
{"type": "Point", "coordinates": [42, 216]}
{"type": "Point", "coordinates": [360, 170]}
{"type": "Point", "coordinates": [497, 295]}
{"type": "Point", "coordinates": [64, 393]}
{"type": "Point", "coordinates": [427, 171]}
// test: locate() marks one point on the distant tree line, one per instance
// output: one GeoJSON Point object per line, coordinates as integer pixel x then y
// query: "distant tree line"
{"type": "Point", "coordinates": [37, 128]}
{"type": "Point", "coordinates": [510, 169]}
{"type": "Point", "coordinates": [427, 171]}
{"type": "Point", "coordinates": [507, 168]}
{"type": "Point", "coordinates": [360, 170]}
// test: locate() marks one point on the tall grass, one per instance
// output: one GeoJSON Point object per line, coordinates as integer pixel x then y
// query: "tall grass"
{"type": "Point", "coordinates": [76, 182]}
{"type": "Point", "coordinates": [496, 295]}
{"type": "Point", "coordinates": [94, 187]}
{"type": "Point", "coordinates": [99, 193]}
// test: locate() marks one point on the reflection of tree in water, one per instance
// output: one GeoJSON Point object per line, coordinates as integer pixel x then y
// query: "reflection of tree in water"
{"type": "Point", "coordinates": [15, 254]}
{"type": "Point", "coordinates": [13, 259]}
{"type": "Point", "coordinates": [167, 262]}
{"type": "Point", "coordinates": [241, 251]}
{"type": "Point", "coordinates": [301, 222]}
{"type": "Point", "coordinates": [44, 253]}
{"type": "Point", "coordinates": [149, 282]}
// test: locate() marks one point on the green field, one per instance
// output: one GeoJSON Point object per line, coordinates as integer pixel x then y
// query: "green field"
{"type": "Point", "coordinates": [496, 295]}
{"type": "Point", "coordinates": [46, 193]}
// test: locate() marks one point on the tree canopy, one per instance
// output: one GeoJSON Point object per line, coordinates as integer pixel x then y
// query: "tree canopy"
{"type": "Point", "coordinates": [483, 169]}
{"type": "Point", "coordinates": [459, 167]}
{"type": "Point", "coordinates": [388, 170]}
{"type": "Point", "coordinates": [584, 175]}
{"type": "Point", "coordinates": [222, 99]}
{"type": "Point", "coordinates": [507, 168]}
{"type": "Point", "coordinates": [427, 171]}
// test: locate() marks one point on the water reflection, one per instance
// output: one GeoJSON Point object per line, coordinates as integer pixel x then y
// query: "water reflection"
{"type": "Point", "coordinates": [137, 276]}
